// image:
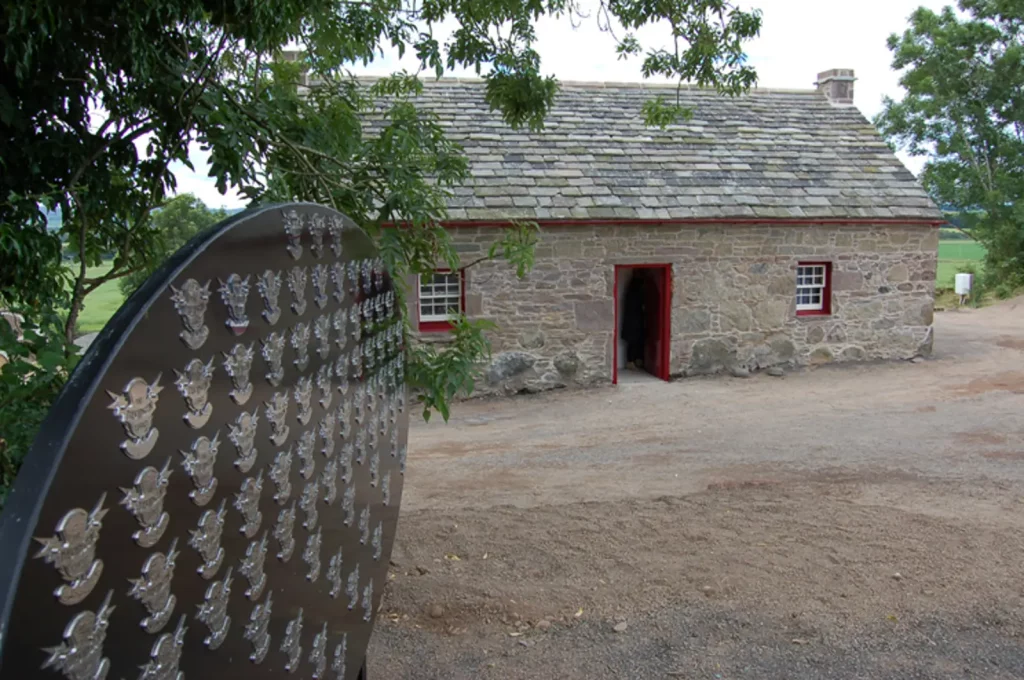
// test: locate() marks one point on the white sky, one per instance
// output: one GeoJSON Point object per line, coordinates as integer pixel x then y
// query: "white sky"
{"type": "Point", "coordinates": [798, 39]}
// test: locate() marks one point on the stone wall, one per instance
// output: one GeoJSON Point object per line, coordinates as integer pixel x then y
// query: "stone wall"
{"type": "Point", "coordinates": [733, 298]}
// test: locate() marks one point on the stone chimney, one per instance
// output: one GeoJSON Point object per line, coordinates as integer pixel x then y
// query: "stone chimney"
{"type": "Point", "coordinates": [837, 86]}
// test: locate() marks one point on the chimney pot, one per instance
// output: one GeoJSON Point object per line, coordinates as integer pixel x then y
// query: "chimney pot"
{"type": "Point", "coordinates": [837, 86]}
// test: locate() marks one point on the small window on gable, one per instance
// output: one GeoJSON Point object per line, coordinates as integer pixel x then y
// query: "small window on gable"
{"type": "Point", "coordinates": [440, 299]}
{"type": "Point", "coordinates": [813, 288]}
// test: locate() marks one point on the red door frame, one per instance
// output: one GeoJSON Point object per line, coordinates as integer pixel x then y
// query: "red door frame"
{"type": "Point", "coordinates": [666, 318]}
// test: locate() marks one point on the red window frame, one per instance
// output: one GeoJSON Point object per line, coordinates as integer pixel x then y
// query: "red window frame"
{"type": "Point", "coordinates": [826, 291]}
{"type": "Point", "coordinates": [440, 326]}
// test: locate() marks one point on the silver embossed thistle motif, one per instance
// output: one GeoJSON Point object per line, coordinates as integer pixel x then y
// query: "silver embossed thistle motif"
{"type": "Point", "coordinates": [366, 274]}
{"type": "Point", "coordinates": [338, 280]}
{"type": "Point", "coordinates": [153, 589]}
{"type": "Point", "coordinates": [293, 230]}
{"type": "Point", "coordinates": [284, 532]}
{"type": "Point", "coordinates": [336, 226]}
{"type": "Point", "coordinates": [247, 502]}
{"type": "Point", "coordinates": [273, 355]}
{"type": "Point", "coordinates": [323, 385]}
{"type": "Point", "coordinates": [280, 475]}
{"type": "Point", "coordinates": [320, 294]}
{"type": "Point", "coordinates": [334, 573]}
{"type": "Point", "coordinates": [355, 318]}
{"type": "Point", "coordinates": [234, 292]}
{"type": "Point", "coordinates": [80, 655]}
{"type": "Point", "coordinates": [317, 227]}
{"type": "Point", "coordinates": [238, 364]}
{"type": "Point", "coordinates": [322, 333]}
{"type": "Point", "coordinates": [277, 415]}
{"type": "Point", "coordinates": [214, 611]}
{"type": "Point", "coordinates": [269, 286]}
{"type": "Point", "coordinates": [165, 657]}
{"type": "Point", "coordinates": [303, 397]}
{"type": "Point", "coordinates": [352, 588]}
{"type": "Point", "coordinates": [256, 630]}
{"type": "Point", "coordinates": [329, 479]}
{"type": "Point", "coordinates": [198, 466]}
{"type": "Point", "coordinates": [242, 434]}
{"type": "Point", "coordinates": [308, 501]}
{"type": "Point", "coordinates": [300, 343]}
{"type": "Point", "coordinates": [72, 550]}
{"type": "Point", "coordinates": [135, 408]}
{"type": "Point", "coordinates": [194, 385]}
{"type": "Point", "coordinates": [252, 567]}
{"type": "Point", "coordinates": [190, 301]}
{"type": "Point", "coordinates": [145, 500]}
{"type": "Point", "coordinates": [368, 601]}
{"type": "Point", "coordinates": [318, 654]}
{"type": "Point", "coordinates": [291, 643]}
{"type": "Point", "coordinates": [311, 556]}
{"type": "Point", "coordinates": [297, 287]}
{"type": "Point", "coordinates": [206, 540]}
{"type": "Point", "coordinates": [304, 450]}
{"type": "Point", "coordinates": [338, 663]}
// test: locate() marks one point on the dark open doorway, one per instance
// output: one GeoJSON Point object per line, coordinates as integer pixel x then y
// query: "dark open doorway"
{"type": "Point", "coordinates": [643, 319]}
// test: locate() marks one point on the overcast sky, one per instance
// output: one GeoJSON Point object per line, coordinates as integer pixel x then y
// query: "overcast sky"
{"type": "Point", "coordinates": [798, 39]}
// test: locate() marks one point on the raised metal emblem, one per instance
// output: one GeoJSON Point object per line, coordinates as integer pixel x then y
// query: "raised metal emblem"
{"type": "Point", "coordinates": [280, 475]}
{"type": "Point", "coordinates": [256, 629]}
{"type": "Point", "coordinates": [165, 657]}
{"type": "Point", "coordinates": [135, 408]}
{"type": "Point", "coordinates": [242, 434]}
{"type": "Point", "coordinates": [320, 294]}
{"type": "Point", "coordinates": [317, 227]}
{"type": "Point", "coordinates": [293, 228]}
{"type": "Point", "coordinates": [238, 364]}
{"type": "Point", "coordinates": [198, 466]}
{"type": "Point", "coordinates": [322, 333]}
{"type": "Point", "coordinates": [357, 363]}
{"type": "Point", "coordinates": [348, 504]}
{"type": "Point", "coordinates": [304, 451]}
{"type": "Point", "coordinates": [338, 322]}
{"type": "Point", "coordinates": [297, 286]}
{"type": "Point", "coordinates": [190, 301]}
{"type": "Point", "coordinates": [329, 478]}
{"type": "Point", "coordinates": [334, 573]}
{"type": "Point", "coordinates": [352, 588]}
{"type": "Point", "coordinates": [273, 354]}
{"type": "Point", "coordinates": [338, 663]}
{"type": "Point", "coordinates": [303, 396]}
{"type": "Point", "coordinates": [364, 525]}
{"type": "Point", "coordinates": [360, 443]}
{"type": "Point", "coordinates": [291, 643]}
{"type": "Point", "coordinates": [206, 539]}
{"type": "Point", "coordinates": [308, 501]}
{"type": "Point", "coordinates": [284, 532]}
{"type": "Point", "coordinates": [385, 488]}
{"type": "Point", "coordinates": [269, 286]}
{"type": "Point", "coordinates": [374, 468]}
{"type": "Point", "coordinates": [353, 276]}
{"type": "Point", "coordinates": [252, 567]}
{"type": "Point", "coordinates": [345, 460]}
{"type": "Point", "coordinates": [247, 502]}
{"type": "Point", "coordinates": [194, 385]}
{"type": "Point", "coordinates": [341, 370]}
{"type": "Point", "coordinates": [356, 319]}
{"type": "Point", "coordinates": [80, 655]}
{"type": "Point", "coordinates": [336, 226]}
{"type": "Point", "coordinates": [145, 501]}
{"type": "Point", "coordinates": [366, 272]}
{"type": "Point", "coordinates": [318, 654]}
{"type": "Point", "coordinates": [323, 384]}
{"type": "Point", "coordinates": [277, 415]}
{"type": "Point", "coordinates": [300, 343]}
{"type": "Point", "coordinates": [311, 556]}
{"type": "Point", "coordinates": [214, 611]}
{"type": "Point", "coordinates": [368, 601]}
{"type": "Point", "coordinates": [378, 273]}
{"type": "Point", "coordinates": [72, 550]}
{"type": "Point", "coordinates": [326, 431]}
{"type": "Point", "coordinates": [235, 292]}
{"type": "Point", "coordinates": [338, 279]}
{"type": "Point", "coordinates": [153, 589]}
{"type": "Point", "coordinates": [377, 541]}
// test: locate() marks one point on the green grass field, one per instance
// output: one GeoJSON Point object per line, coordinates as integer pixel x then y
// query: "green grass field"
{"type": "Point", "coordinates": [100, 304]}
{"type": "Point", "coordinates": [953, 255]}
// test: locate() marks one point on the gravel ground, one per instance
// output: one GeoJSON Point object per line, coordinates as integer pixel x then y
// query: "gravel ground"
{"type": "Point", "coordinates": [847, 522]}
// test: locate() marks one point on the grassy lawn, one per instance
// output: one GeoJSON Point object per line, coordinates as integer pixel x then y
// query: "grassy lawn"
{"type": "Point", "coordinates": [100, 304]}
{"type": "Point", "coordinates": [953, 255]}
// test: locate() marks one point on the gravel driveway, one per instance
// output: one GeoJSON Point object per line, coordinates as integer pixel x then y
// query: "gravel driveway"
{"type": "Point", "coordinates": [846, 522]}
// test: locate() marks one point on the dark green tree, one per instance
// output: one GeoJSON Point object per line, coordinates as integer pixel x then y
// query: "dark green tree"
{"type": "Point", "coordinates": [99, 99]}
{"type": "Point", "coordinates": [174, 224]}
{"type": "Point", "coordinates": [964, 111]}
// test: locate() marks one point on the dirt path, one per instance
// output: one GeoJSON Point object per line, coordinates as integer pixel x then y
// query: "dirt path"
{"type": "Point", "coordinates": [844, 522]}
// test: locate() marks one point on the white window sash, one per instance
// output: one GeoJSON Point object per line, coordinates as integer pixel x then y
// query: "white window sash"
{"type": "Point", "coordinates": [434, 295]}
{"type": "Point", "coordinates": [810, 271]}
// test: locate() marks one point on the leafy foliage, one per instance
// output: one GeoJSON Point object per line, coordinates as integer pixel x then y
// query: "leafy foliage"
{"type": "Point", "coordinates": [964, 110]}
{"type": "Point", "coordinates": [102, 99]}
{"type": "Point", "coordinates": [174, 224]}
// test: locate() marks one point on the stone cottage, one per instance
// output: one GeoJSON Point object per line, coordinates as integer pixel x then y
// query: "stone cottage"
{"type": "Point", "coordinates": [771, 229]}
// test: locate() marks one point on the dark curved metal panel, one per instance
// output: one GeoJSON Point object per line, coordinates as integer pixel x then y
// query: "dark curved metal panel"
{"type": "Point", "coordinates": [216, 490]}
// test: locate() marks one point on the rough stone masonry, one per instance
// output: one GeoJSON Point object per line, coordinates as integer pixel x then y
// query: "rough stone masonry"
{"type": "Point", "coordinates": [733, 302]}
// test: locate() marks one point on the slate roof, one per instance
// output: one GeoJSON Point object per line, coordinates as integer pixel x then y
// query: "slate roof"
{"type": "Point", "coordinates": [767, 154]}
